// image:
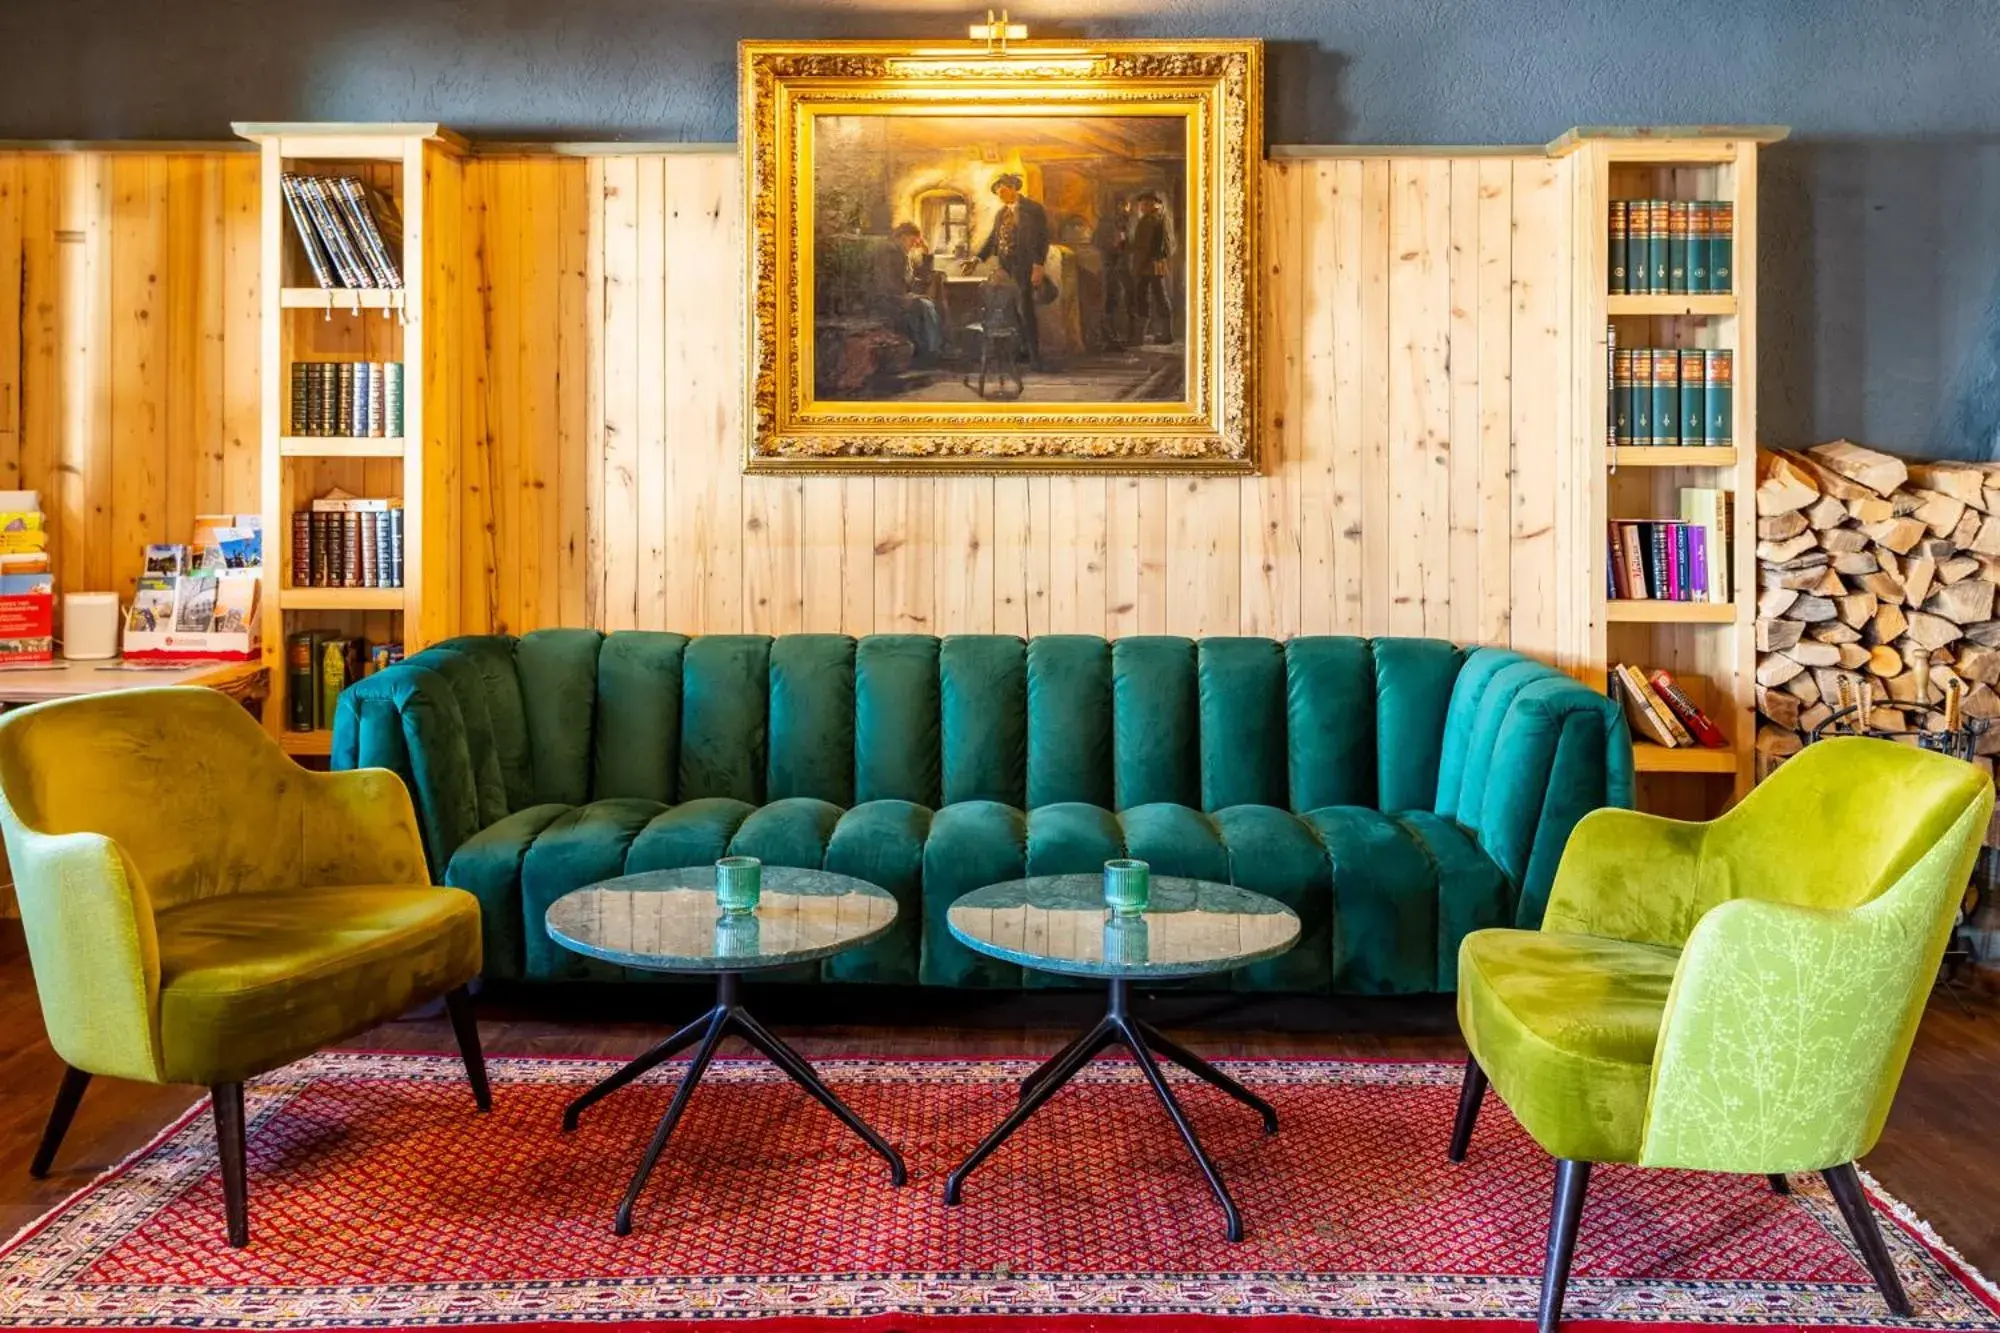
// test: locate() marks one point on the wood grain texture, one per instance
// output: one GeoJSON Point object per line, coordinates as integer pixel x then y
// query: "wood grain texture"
{"type": "Point", "coordinates": [1416, 374]}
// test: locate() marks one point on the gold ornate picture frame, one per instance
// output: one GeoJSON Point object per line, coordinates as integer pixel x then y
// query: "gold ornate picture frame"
{"type": "Point", "coordinates": [1036, 257]}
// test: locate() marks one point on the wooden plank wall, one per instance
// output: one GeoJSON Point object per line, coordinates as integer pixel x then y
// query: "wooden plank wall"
{"type": "Point", "coordinates": [1417, 385]}
{"type": "Point", "coordinates": [128, 348]}
{"type": "Point", "coordinates": [1417, 377]}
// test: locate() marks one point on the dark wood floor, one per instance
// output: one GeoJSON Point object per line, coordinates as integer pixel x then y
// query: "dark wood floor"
{"type": "Point", "coordinates": [1940, 1154]}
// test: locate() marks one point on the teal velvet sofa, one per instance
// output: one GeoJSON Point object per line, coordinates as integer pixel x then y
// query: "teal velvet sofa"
{"type": "Point", "coordinates": [1397, 793]}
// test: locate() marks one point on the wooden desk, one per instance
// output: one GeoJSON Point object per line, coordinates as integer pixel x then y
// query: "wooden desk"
{"type": "Point", "coordinates": [247, 681]}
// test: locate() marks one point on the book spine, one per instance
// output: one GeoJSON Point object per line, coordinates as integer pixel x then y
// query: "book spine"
{"type": "Point", "coordinates": [1680, 734]}
{"type": "Point", "coordinates": [1660, 544]}
{"type": "Point", "coordinates": [1651, 714]}
{"type": "Point", "coordinates": [375, 406]}
{"type": "Point", "coordinates": [343, 398]}
{"type": "Point", "coordinates": [396, 548]}
{"type": "Point", "coordinates": [392, 398]}
{"type": "Point", "coordinates": [326, 230]}
{"type": "Point", "coordinates": [1693, 376]}
{"type": "Point", "coordinates": [1657, 260]}
{"type": "Point", "coordinates": [1621, 226]}
{"type": "Point", "coordinates": [338, 240]}
{"type": "Point", "coordinates": [1621, 396]}
{"type": "Point", "coordinates": [329, 397]}
{"type": "Point", "coordinates": [1681, 575]}
{"type": "Point", "coordinates": [1614, 562]}
{"type": "Point", "coordinates": [385, 559]}
{"type": "Point", "coordinates": [1718, 406]}
{"type": "Point", "coordinates": [350, 549]}
{"type": "Point", "coordinates": [371, 234]}
{"type": "Point", "coordinates": [1642, 397]}
{"type": "Point", "coordinates": [1722, 247]}
{"type": "Point", "coordinates": [370, 572]}
{"type": "Point", "coordinates": [344, 190]}
{"type": "Point", "coordinates": [303, 228]}
{"type": "Point", "coordinates": [1666, 397]}
{"type": "Point", "coordinates": [1677, 246]}
{"type": "Point", "coordinates": [1631, 538]}
{"type": "Point", "coordinates": [361, 404]}
{"type": "Point", "coordinates": [1700, 219]}
{"type": "Point", "coordinates": [299, 691]}
{"type": "Point", "coordinates": [301, 548]}
{"type": "Point", "coordinates": [301, 399]}
{"type": "Point", "coordinates": [1611, 385]}
{"type": "Point", "coordinates": [1725, 544]}
{"type": "Point", "coordinates": [1636, 271]}
{"type": "Point", "coordinates": [1684, 708]}
{"type": "Point", "coordinates": [1697, 549]}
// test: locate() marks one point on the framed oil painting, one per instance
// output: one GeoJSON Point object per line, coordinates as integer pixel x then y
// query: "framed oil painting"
{"type": "Point", "coordinates": [1033, 258]}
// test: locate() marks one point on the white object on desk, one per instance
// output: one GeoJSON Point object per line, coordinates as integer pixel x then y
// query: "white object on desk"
{"type": "Point", "coordinates": [90, 626]}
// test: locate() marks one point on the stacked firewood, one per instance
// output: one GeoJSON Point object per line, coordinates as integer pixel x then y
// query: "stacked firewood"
{"type": "Point", "coordinates": [1876, 581]}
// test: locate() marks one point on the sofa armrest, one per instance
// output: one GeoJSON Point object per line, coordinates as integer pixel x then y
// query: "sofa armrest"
{"type": "Point", "coordinates": [361, 828]}
{"type": "Point", "coordinates": [406, 719]}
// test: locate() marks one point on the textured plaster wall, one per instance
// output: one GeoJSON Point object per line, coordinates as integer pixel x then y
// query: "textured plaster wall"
{"type": "Point", "coordinates": [1881, 296]}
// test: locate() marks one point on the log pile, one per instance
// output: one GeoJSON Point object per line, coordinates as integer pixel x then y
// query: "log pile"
{"type": "Point", "coordinates": [1876, 579]}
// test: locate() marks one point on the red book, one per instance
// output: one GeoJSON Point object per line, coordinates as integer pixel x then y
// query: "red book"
{"type": "Point", "coordinates": [1696, 721]}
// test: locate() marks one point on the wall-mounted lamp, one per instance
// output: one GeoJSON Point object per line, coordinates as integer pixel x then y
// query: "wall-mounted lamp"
{"type": "Point", "coordinates": [996, 32]}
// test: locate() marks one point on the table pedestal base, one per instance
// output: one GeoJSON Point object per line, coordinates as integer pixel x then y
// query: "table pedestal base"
{"type": "Point", "coordinates": [1144, 1041]}
{"type": "Point", "coordinates": [706, 1034]}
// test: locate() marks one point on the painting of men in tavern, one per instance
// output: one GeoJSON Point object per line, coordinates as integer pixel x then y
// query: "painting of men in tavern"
{"type": "Point", "coordinates": [1033, 259]}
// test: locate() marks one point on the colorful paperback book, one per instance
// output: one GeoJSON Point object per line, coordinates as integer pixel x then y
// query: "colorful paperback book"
{"type": "Point", "coordinates": [1684, 709]}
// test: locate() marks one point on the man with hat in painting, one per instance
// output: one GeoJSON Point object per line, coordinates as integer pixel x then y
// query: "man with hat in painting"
{"type": "Point", "coordinates": [1150, 247]}
{"type": "Point", "coordinates": [1019, 243]}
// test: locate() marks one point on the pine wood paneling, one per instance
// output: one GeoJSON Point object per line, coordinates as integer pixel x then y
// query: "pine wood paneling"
{"type": "Point", "coordinates": [1416, 378]}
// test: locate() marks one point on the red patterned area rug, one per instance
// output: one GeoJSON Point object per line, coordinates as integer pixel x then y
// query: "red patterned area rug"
{"type": "Point", "coordinates": [380, 1199]}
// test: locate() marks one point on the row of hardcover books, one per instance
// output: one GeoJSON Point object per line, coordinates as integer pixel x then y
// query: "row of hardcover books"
{"type": "Point", "coordinates": [345, 542]}
{"type": "Point", "coordinates": [319, 664]}
{"type": "Point", "coordinates": [1672, 397]}
{"type": "Point", "coordinates": [350, 231]}
{"type": "Point", "coordinates": [1685, 559]}
{"type": "Point", "coordinates": [1669, 246]}
{"type": "Point", "coordinates": [348, 399]}
{"type": "Point", "coordinates": [1659, 710]}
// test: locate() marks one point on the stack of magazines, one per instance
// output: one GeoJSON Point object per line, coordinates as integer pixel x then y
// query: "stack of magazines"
{"type": "Point", "coordinates": [350, 232]}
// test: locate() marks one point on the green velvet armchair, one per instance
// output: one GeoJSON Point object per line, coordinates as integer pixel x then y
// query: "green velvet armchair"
{"type": "Point", "coordinates": [1734, 996]}
{"type": "Point", "coordinates": [200, 909]}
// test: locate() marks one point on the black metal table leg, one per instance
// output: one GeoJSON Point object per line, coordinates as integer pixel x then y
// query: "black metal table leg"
{"type": "Point", "coordinates": [727, 1016]}
{"type": "Point", "coordinates": [806, 1077]}
{"type": "Point", "coordinates": [1136, 1040]}
{"type": "Point", "coordinates": [638, 1068]}
{"type": "Point", "coordinates": [1142, 1040]}
{"type": "Point", "coordinates": [1206, 1072]}
{"type": "Point", "coordinates": [1078, 1055]}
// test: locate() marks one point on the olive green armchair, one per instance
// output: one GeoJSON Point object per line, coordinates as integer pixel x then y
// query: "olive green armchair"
{"type": "Point", "coordinates": [1734, 996]}
{"type": "Point", "coordinates": [200, 909]}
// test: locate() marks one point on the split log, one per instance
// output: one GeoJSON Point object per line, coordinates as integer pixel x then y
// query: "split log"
{"type": "Point", "coordinates": [1964, 603]}
{"type": "Point", "coordinates": [1779, 527]}
{"type": "Point", "coordinates": [1918, 572]}
{"type": "Point", "coordinates": [1853, 656]}
{"type": "Point", "coordinates": [1957, 567]}
{"type": "Point", "coordinates": [1777, 635]}
{"type": "Point", "coordinates": [1810, 652]}
{"type": "Point", "coordinates": [1884, 584]}
{"type": "Point", "coordinates": [1958, 480]}
{"type": "Point", "coordinates": [1853, 564]}
{"type": "Point", "coordinates": [1803, 687]}
{"type": "Point", "coordinates": [1779, 708]}
{"type": "Point", "coordinates": [1931, 631]}
{"type": "Point", "coordinates": [1813, 609]}
{"type": "Point", "coordinates": [1858, 608]}
{"type": "Point", "coordinates": [1888, 625]}
{"type": "Point", "coordinates": [1776, 669]}
{"type": "Point", "coordinates": [1978, 663]}
{"type": "Point", "coordinates": [1986, 633]}
{"type": "Point", "coordinates": [1784, 486]}
{"type": "Point", "coordinates": [1843, 541]}
{"type": "Point", "coordinates": [1938, 512]}
{"type": "Point", "coordinates": [1813, 717]}
{"type": "Point", "coordinates": [1825, 512]}
{"type": "Point", "coordinates": [1778, 552]}
{"type": "Point", "coordinates": [1897, 534]}
{"type": "Point", "coordinates": [1967, 530]}
{"type": "Point", "coordinates": [1884, 661]}
{"type": "Point", "coordinates": [1835, 632]}
{"type": "Point", "coordinates": [1867, 508]}
{"type": "Point", "coordinates": [1879, 472]}
{"type": "Point", "coordinates": [1775, 743]}
{"type": "Point", "coordinates": [1987, 540]}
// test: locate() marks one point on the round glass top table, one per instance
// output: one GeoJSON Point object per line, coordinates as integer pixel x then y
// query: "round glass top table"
{"type": "Point", "coordinates": [1190, 928]}
{"type": "Point", "coordinates": [669, 921]}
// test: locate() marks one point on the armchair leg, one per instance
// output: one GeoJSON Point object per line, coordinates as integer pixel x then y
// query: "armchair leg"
{"type": "Point", "coordinates": [1565, 1212]}
{"type": "Point", "coordinates": [1470, 1094]}
{"type": "Point", "coordinates": [1847, 1192]}
{"type": "Point", "coordinates": [228, 1098]}
{"type": "Point", "coordinates": [74, 1081]}
{"type": "Point", "coordinates": [1780, 1184]}
{"type": "Point", "coordinates": [458, 1004]}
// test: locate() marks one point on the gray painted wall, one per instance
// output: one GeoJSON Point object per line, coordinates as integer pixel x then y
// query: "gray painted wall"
{"type": "Point", "coordinates": [1881, 260]}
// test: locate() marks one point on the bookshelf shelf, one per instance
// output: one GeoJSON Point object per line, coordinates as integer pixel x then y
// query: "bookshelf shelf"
{"type": "Point", "coordinates": [319, 446]}
{"type": "Point", "coordinates": [411, 179]}
{"type": "Point", "coordinates": [1651, 612]}
{"type": "Point", "coordinates": [1717, 456]}
{"type": "Point", "coordinates": [1718, 306]}
{"type": "Point", "coordinates": [342, 300]}
{"type": "Point", "coordinates": [1648, 757]}
{"type": "Point", "coordinates": [317, 743]}
{"type": "Point", "coordinates": [341, 599]}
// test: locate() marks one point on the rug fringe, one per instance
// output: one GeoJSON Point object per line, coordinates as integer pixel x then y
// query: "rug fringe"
{"type": "Point", "coordinates": [1926, 1233]}
{"type": "Point", "coordinates": [107, 1175]}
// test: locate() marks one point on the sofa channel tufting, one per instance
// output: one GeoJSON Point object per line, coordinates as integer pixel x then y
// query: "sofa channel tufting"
{"type": "Point", "coordinates": [1397, 793]}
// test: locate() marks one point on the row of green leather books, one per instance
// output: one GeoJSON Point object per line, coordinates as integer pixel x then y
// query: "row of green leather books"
{"type": "Point", "coordinates": [1671, 397]}
{"type": "Point", "coordinates": [1669, 246]}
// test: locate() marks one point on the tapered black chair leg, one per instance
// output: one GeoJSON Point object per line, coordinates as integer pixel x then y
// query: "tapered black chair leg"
{"type": "Point", "coordinates": [1780, 1184]}
{"type": "Point", "coordinates": [74, 1081]}
{"type": "Point", "coordinates": [229, 1144]}
{"type": "Point", "coordinates": [458, 1004]}
{"type": "Point", "coordinates": [1565, 1213]}
{"type": "Point", "coordinates": [1471, 1093]}
{"type": "Point", "coordinates": [1846, 1187]}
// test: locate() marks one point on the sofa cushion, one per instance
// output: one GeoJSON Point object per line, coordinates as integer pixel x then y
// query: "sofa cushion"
{"type": "Point", "coordinates": [581, 846]}
{"type": "Point", "coordinates": [883, 842]}
{"type": "Point", "coordinates": [971, 844]}
{"type": "Point", "coordinates": [1566, 1025]}
{"type": "Point", "coordinates": [639, 715]}
{"type": "Point", "coordinates": [488, 866]}
{"type": "Point", "coordinates": [1406, 889]}
{"type": "Point", "coordinates": [251, 981]}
